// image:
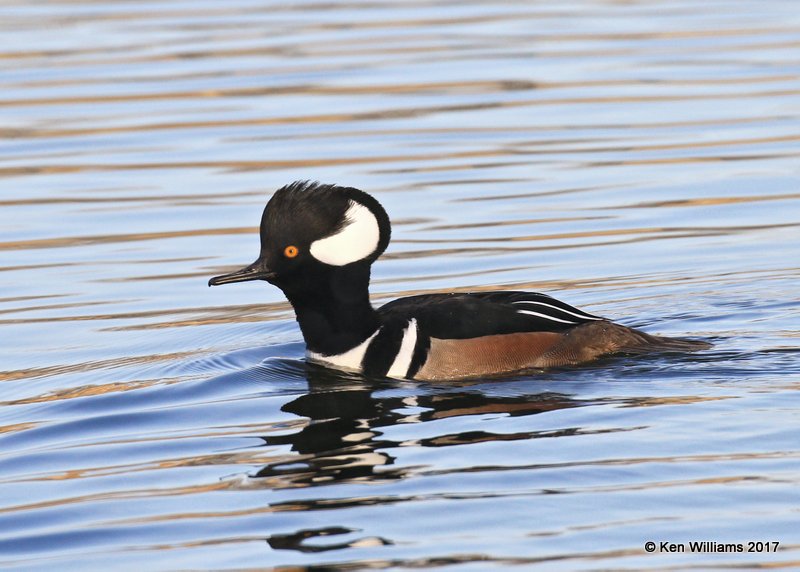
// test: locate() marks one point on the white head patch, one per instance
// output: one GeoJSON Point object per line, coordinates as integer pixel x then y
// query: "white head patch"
{"type": "Point", "coordinates": [358, 238]}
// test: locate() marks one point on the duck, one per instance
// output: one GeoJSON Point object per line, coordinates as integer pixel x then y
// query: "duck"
{"type": "Point", "coordinates": [318, 244]}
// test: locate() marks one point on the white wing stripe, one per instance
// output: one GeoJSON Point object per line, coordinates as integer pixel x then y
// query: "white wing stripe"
{"type": "Point", "coordinates": [545, 316]}
{"type": "Point", "coordinates": [577, 315]}
{"type": "Point", "coordinates": [401, 363]}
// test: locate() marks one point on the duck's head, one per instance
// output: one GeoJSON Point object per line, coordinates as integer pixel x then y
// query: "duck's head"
{"type": "Point", "coordinates": [310, 232]}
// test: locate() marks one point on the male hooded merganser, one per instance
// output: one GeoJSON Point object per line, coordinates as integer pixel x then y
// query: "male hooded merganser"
{"type": "Point", "coordinates": [318, 243]}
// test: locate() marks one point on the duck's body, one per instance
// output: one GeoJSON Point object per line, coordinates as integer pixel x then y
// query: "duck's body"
{"type": "Point", "coordinates": [318, 243]}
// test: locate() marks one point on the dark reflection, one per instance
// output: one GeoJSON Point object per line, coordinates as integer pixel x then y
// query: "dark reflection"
{"type": "Point", "coordinates": [343, 442]}
{"type": "Point", "coordinates": [297, 540]}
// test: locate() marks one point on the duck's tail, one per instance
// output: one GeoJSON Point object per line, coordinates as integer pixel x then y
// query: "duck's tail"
{"type": "Point", "coordinates": [587, 342]}
{"type": "Point", "coordinates": [638, 342]}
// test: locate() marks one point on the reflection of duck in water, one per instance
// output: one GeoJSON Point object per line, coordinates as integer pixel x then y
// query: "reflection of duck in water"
{"type": "Point", "coordinates": [343, 441]}
{"type": "Point", "coordinates": [317, 245]}
{"type": "Point", "coordinates": [349, 438]}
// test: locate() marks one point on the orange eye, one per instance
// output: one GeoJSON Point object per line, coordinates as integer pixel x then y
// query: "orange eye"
{"type": "Point", "coordinates": [290, 251]}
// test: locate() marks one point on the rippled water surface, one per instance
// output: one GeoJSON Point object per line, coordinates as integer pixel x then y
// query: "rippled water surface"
{"type": "Point", "coordinates": [637, 159]}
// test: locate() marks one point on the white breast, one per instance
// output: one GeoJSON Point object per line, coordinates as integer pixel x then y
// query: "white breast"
{"type": "Point", "coordinates": [351, 359]}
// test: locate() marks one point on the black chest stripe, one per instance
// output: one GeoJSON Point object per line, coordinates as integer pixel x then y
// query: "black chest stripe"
{"type": "Point", "coordinates": [420, 355]}
{"type": "Point", "coordinates": [382, 351]}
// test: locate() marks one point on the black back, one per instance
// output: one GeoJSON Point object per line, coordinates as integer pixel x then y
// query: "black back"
{"type": "Point", "coordinates": [476, 314]}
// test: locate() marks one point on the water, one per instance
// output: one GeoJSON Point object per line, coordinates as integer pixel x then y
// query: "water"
{"type": "Point", "coordinates": [636, 159]}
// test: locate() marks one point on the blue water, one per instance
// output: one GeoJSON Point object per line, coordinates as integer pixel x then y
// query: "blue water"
{"type": "Point", "coordinates": [638, 160]}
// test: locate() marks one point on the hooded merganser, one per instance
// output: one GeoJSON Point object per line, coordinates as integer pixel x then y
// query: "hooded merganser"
{"type": "Point", "coordinates": [318, 243]}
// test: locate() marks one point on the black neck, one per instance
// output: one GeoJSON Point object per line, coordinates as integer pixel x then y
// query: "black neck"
{"type": "Point", "coordinates": [333, 309]}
